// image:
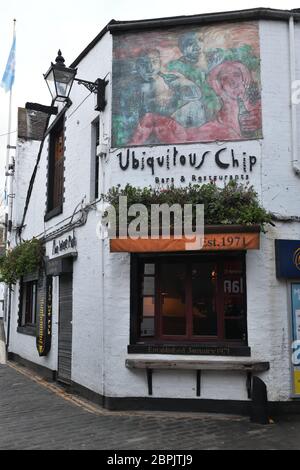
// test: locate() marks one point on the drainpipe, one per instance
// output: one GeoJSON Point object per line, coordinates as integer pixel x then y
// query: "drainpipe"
{"type": "Point", "coordinates": [101, 151]}
{"type": "Point", "coordinates": [295, 160]}
{"type": "Point", "coordinates": [8, 319]}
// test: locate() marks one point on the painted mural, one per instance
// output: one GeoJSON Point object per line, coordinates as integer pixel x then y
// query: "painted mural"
{"type": "Point", "coordinates": [187, 85]}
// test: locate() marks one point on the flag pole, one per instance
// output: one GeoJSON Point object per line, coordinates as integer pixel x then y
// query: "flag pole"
{"type": "Point", "coordinates": [9, 207]}
{"type": "Point", "coordinates": [9, 130]}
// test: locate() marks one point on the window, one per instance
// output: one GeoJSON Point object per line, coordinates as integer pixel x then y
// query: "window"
{"type": "Point", "coordinates": [29, 303]}
{"type": "Point", "coordinates": [95, 161]}
{"type": "Point", "coordinates": [189, 299]}
{"type": "Point", "coordinates": [56, 169]}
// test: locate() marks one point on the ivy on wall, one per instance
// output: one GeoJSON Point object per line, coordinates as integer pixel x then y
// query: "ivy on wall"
{"type": "Point", "coordinates": [24, 259]}
{"type": "Point", "coordinates": [234, 204]}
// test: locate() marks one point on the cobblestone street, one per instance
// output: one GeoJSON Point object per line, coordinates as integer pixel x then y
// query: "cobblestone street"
{"type": "Point", "coordinates": [35, 414]}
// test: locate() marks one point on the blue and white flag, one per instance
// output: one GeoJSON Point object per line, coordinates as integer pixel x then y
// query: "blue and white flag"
{"type": "Point", "coordinates": [9, 74]}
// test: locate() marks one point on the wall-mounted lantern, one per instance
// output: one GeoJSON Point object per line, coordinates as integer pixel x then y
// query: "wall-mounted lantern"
{"type": "Point", "coordinates": [60, 79]}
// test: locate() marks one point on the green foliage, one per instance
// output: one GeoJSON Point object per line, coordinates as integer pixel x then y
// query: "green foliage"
{"type": "Point", "coordinates": [235, 204]}
{"type": "Point", "coordinates": [23, 259]}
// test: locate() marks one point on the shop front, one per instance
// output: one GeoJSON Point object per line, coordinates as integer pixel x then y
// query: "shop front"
{"type": "Point", "coordinates": [190, 302]}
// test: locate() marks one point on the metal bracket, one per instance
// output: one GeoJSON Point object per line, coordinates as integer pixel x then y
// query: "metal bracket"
{"type": "Point", "coordinates": [149, 380]}
{"type": "Point", "coordinates": [91, 86]}
{"type": "Point", "coordinates": [198, 383]}
{"type": "Point", "coordinates": [97, 87]}
{"type": "Point", "coordinates": [249, 384]}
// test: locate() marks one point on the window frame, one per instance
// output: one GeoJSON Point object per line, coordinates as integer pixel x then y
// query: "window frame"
{"type": "Point", "coordinates": [55, 177]}
{"type": "Point", "coordinates": [138, 260]}
{"type": "Point", "coordinates": [24, 303]}
{"type": "Point", "coordinates": [95, 160]}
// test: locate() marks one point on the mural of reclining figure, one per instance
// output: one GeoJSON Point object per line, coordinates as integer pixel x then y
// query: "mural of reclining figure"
{"type": "Point", "coordinates": [168, 94]}
{"type": "Point", "coordinates": [238, 118]}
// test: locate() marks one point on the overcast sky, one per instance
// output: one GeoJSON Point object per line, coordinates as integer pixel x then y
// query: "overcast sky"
{"type": "Point", "coordinates": [44, 27]}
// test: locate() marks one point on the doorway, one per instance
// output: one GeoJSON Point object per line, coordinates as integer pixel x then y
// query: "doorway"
{"type": "Point", "coordinates": [64, 370]}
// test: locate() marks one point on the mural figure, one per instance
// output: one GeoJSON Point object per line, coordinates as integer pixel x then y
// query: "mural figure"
{"type": "Point", "coordinates": [155, 88]}
{"type": "Point", "coordinates": [168, 94]}
{"type": "Point", "coordinates": [238, 118]}
{"type": "Point", "coordinates": [153, 91]}
{"type": "Point", "coordinates": [189, 85]}
{"type": "Point", "coordinates": [187, 65]}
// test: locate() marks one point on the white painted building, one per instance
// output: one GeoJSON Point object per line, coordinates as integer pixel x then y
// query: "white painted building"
{"type": "Point", "coordinates": [94, 327]}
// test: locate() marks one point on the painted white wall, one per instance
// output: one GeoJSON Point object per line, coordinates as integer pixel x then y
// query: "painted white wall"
{"type": "Point", "coordinates": [101, 323]}
{"type": "Point", "coordinates": [25, 159]}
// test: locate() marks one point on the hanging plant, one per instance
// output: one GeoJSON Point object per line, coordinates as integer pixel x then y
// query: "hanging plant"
{"type": "Point", "coordinates": [24, 259]}
{"type": "Point", "coordinates": [234, 204]}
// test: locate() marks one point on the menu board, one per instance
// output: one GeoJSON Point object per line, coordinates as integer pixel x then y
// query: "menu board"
{"type": "Point", "coordinates": [296, 338]}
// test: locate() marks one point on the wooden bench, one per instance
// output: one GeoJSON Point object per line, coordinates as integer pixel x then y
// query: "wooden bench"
{"type": "Point", "coordinates": [248, 367]}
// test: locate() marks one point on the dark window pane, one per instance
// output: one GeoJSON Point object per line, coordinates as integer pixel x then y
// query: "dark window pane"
{"type": "Point", "coordinates": [173, 302]}
{"type": "Point", "coordinates": [96, 177]}
{"type": "Point", "coordinates": [29, 302]}
{"type": "Point", "coordinates": [34, 295]}
{"type": "Point", "coordinates": [234, 294]}
{"type": "Point", "coordinates": [97, 132]}
{"type": "Point", "coordinates": [150, 269]}
{"type": "Point", "coordinates": [96, 136]}
{"type": "Point", "coordinates": [233, 266]}
{"type": "Point", "coordinates": [147, 324]}
{"type": "Point", "coordinates": [234, 329]}
{"type": "Point", "coordinates": [234, 300]}
{"type": "Point", "coordinates": [56, 168]}
{"type": "Point", "coordinates": [204, 281]}
{"type": "Point", "coordinates": [149, 286]}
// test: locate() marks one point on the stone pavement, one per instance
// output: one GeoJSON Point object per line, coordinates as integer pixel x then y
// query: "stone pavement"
{"type": "Point", "coordinates": [35, 414]}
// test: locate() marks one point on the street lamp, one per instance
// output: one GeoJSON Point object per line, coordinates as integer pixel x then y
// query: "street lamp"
{"type": "Point", "coordinates": [60, 78]}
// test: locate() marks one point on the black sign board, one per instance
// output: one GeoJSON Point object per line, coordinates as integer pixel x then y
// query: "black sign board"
{"type": "Point", "coordinates": [57, 266]}
{"type": "Point", "coordinates": [287, 259]}
{"type": "Point", "coordinates": [44, 324]}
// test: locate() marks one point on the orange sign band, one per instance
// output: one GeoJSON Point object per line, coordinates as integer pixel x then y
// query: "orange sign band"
{"type": "Point", "coordinates": [212, 242]}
